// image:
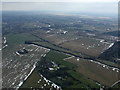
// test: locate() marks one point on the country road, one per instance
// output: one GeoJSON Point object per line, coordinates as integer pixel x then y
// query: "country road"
{"type": "Point", "coordinates": [115, 83]}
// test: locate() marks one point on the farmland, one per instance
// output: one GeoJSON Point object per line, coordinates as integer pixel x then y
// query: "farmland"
{"type": "Point", "coordinates": [57, 51]}
{"type": "Point", "coordinates": [65, 76]}
{"type": "Point", "coordinates": [105, 76]}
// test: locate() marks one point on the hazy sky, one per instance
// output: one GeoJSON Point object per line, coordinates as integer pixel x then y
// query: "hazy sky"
{"type": "Point", "coordinates": [60, 0]}
{"type": "Point", "coordinates": [89, 6]}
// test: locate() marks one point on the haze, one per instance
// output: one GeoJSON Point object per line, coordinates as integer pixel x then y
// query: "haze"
{"type": "Point", "coordinates": [96, 8]}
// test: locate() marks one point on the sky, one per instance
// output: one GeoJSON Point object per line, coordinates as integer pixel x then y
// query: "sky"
{"type": "Point", "coordinates": [109, 7]}
{"type": "Point", "coordinates": [60, 0]}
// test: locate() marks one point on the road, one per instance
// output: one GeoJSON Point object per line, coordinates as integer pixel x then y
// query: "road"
{"type": "Point", "coordinates": [115, 83]}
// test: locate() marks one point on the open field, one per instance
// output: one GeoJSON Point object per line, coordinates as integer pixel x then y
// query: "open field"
{"type": "Point", "coordinates": [86, 45]}
{"type": "Point", "coordinates": [96, 72]}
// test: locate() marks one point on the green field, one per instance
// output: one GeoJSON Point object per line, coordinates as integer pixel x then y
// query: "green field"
{"type": "Point", "coordinates": [15, 38]}
{"type": "Point", "coordinates": [66, 76]}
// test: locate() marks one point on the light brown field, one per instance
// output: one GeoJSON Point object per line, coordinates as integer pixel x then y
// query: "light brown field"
{"type": "Point", "coordinates": [96, 72]}
{"type": "Point", "coordinates": [86, 45]}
